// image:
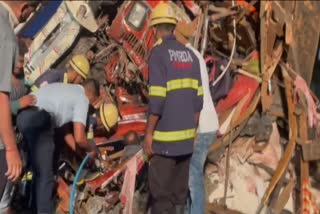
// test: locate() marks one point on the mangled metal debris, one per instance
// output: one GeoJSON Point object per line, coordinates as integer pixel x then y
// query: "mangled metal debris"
{"type": "Point", "coordinates": [260, 65]}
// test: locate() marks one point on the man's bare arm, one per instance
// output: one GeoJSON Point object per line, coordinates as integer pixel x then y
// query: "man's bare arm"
{"type": "Point", "coordinates": [66, 132]}
{"type": "Point", "coordinates": [196, 118]}
{"type": "Point", "coordinates": [6, 131]}
{"type": "Point", "coordinates": [152, 122]}
{"type": "Point", "coordinates": [70, 141]}
{"type": "Point", "coordinates": [80, 136]}
{"type": "Point", "coordinates": [13, 159]}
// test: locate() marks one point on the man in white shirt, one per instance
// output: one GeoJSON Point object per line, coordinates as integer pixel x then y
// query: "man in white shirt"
{"type": "Point", "coordinates": [208, 126]}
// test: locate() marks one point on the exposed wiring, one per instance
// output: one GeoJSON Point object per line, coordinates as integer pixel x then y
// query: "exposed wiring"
{"type": "Point", "coordinates": [232, 52]}
{"type": "Point", "coordinates": [74, 184]}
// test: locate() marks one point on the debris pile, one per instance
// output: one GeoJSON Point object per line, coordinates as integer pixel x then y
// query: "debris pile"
{"type": "Point", "coordinates": [260, 66]}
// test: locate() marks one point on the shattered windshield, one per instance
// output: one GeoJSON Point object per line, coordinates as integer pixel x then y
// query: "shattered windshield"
{"type": "Point", "coordinates": [136, 17]}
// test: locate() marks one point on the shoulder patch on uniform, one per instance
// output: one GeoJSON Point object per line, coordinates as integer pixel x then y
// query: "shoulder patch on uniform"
{"type": "Point", "coordinates": [159, 42]}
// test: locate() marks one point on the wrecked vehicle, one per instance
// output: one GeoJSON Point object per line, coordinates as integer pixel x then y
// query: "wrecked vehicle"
{"type": "Point", "coordinates": [57, 36]}
{"type": "Point", "coordinates": [260, 67]}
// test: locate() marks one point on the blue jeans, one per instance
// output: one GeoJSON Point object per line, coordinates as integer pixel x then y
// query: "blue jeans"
{"type": "Point", "coordinates": [196, 173]}
{"type": "Point", "coordinates": [35, 126]}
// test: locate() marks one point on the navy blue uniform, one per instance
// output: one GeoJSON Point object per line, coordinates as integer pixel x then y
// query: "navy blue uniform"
{"type": "Point", "coordinates": [176, 94]}
{"type": "Point", "coordinates": [51, 76]}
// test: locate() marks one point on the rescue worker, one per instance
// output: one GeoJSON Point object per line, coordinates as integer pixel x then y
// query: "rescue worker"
{"type": "Point", "coordinates": [174, 107]}
{"type": "Point", "coordinates": [76, 72]}
{"type": "Point", "coordinates": [58, 104]}
{"type": "Point", "coordinates": [11, 14]}
{"type": "Point", "coordinates": [208, 125]}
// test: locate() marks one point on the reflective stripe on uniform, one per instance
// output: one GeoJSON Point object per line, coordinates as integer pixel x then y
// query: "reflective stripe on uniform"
{"type": "Point", "coordinates": [158, 42]}
{"type": "Point", "coordinates": [172, 136]}
{"type": "Point", "coordinates": [200, 91]}
{"type": "Point", "coordinates": [27, 176]}
{"type": "Point", "coordinates": [157, 91]}
{"type": "Point", "coordinates": [34, 88]}
{"type": "Point", "coordinates": [182, 84]}
{"type": "Point", "coordinates": [65, 78]}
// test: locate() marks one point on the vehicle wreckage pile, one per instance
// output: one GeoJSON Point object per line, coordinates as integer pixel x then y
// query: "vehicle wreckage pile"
{"type": "Point", "coordinates": [260, 65]}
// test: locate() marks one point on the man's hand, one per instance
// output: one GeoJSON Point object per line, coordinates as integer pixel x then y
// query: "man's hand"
{"type": "Point", "coordinates": [6, 135]}
{"type": "Point", "coordinates": [147, 145]}
{"type": "Point", "coordinates": [27, 100]}
{"type": "Point", "coordinates": [14, 164]}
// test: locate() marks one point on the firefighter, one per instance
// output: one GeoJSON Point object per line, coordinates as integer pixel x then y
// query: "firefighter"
{"type": "Point", "coordinates": [107, 116]}
{"type": "Point", "coordinates": [76, 73]}
{"type": "Point", "coordinates": [175, 103]}
{"type": "Point", "coordinates": [11, 14]}
{"type": "Point", "coordinates": [58, 104]}
{"type": "Point", "coordinates": [208, 125]}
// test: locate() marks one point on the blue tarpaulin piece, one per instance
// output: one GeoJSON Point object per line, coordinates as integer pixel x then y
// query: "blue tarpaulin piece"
{"type": "Point", "coordinates": [39, 19]}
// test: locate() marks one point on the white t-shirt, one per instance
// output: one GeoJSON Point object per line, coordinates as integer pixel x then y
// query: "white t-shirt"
{"type": "Point", "coordinates": [64, 102]}
{"type": "Point", "coordinates": [208, 121]}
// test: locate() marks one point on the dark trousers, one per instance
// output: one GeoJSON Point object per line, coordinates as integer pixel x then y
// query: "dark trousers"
{"type": "Point", "coordinates": [35, 126]}
{"type": "Point", "coordinates": [3, 170]}
{"type": "Point", "coordinates": [168, 183]}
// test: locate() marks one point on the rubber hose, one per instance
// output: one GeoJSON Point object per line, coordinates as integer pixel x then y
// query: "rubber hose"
{"type": "Point", "coordinates": [74, 184]}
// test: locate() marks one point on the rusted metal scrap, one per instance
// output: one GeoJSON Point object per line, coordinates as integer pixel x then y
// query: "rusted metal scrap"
{"type": "Point", "coordinates": [227, 31]}
{"type": "Point", "coordinates": [274, 16]}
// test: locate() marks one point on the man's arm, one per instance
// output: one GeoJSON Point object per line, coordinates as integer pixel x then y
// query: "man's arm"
{"type": "Point", "coordinates": [6, 134]}
{"type": "Point", "coordinates": [196, 118]}
{"type": "Point", "coordinates": [23, 102]}
{"type": "Point", "coordinates": [157, 93]}
{"type": "Point", "coordinates": [80, 136]}
{"type": "Point", "coordinates": [151, 124]}
{"type": "Point", "coordinates": [8, 49]}
{"type": "Point", "coordinates": [79, 118]}
{"type": "Point", "coordinates": [71, 141]}
{"type": "Point", "coordinates": [66, 132]}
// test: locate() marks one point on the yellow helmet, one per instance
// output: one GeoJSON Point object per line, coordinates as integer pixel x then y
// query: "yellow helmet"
{"type": "Point", "coordinates": [81, 65]}
{"type": "Point", "coordinates": [163, 14]}
{"type": "Point", "coordinates": [109, 115]}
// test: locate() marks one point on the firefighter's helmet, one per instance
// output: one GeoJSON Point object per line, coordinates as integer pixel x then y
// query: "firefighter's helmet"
{"type": "Point", "coordinates": [109, 115]}
{"type": "Point", "coordinates": [163, 14]}
{"type": "Point", "coordinates": [81, 65]}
